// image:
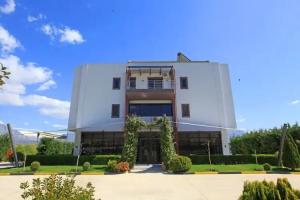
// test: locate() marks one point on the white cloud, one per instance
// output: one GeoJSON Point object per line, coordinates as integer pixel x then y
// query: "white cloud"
{"type": "Point", "coordinates": [31, 18]}
{"type": "Point", "coordinates": [241, 120]}
{"type": "Point", "coordinates": [295, 102]}
{"type": "Point", "coordinates": [26, 123]}
{"type": "Point", "coordinates": [64, 34]}
{"type": "Point", "coordinates": [46, 122]}
{"type": "Point", "coordinates": [71, 36]}
{"type": "Point", "coordinates": [8, 7]}
{"type": "Point", "coordinates": [47, 85]}
{"type": "Point", "coordinates": [23, 75]}
{"type": "Point", "coordinates": [49, 106]}
{"type": "Point", "coordinates": [8, 42]}
{"type": "Point", "coordinates": [59, 126]}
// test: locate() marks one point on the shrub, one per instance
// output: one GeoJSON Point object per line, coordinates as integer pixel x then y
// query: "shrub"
{"type": "Point", "coordinates": [267, 167]}
{"type": "Point", "coordinates": [290, 156]}
{"type": "Point", "coordinates": [122, 167]}
{"type": "Point", "coordinates": [180, 164]}
{"type": "Point", "coordinates": [56, 188]}
{"type": "Point", "coordinates": [111, 165]}
{"type": "Point", "coordinates": [234, 159]}
{"type": "Point", "coordinates": [70, 159]}
{"type": "Point", "coordinates": [28, 149]}
{"type": "Point", "coordinates": [86, 166]}
{"type": "Point", "coordinates": [5, 144]}
{"type": "Point", "coordinates": [34, 166]}
{"type": "Point", "coordinates": [50, 146]}
{"type": "Point", "coordinates": [269, 191]}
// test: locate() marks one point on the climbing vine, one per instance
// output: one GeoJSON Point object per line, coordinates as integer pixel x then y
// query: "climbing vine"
{"type": "Point", "coordinates": [132, 125]}
{"type": "Point", "coordinates": [166, 140]}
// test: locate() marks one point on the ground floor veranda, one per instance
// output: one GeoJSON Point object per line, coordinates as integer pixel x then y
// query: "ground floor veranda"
{"type": "Point", "coordinates": [149, 144]}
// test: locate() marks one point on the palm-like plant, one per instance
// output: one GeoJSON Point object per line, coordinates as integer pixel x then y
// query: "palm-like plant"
{"type": "Point", "coordinates": [4, 74]}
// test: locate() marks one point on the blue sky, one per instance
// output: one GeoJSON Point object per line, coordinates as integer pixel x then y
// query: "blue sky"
{"type": "Point", "coordinates": [43, 41]}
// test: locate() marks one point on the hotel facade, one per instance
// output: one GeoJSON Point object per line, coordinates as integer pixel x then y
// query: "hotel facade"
{"type": "Point", "coordinates": [196, 96]}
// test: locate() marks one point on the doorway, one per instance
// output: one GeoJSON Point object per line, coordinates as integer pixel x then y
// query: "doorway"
{"type": "Point", "coordinates": [148, 148]}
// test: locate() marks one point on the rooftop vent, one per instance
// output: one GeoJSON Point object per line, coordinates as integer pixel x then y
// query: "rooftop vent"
{"type": "Point", "coordinates": [182, 58]}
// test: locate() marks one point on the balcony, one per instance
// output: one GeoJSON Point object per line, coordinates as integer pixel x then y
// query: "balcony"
{"type": "Point", "coordinates": [151, 89]}
{"type": "Point", "coordinates": [152, 84]}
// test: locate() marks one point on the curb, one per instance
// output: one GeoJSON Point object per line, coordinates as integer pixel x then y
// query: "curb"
{"type": "Point", "coordinates": [206, 173]}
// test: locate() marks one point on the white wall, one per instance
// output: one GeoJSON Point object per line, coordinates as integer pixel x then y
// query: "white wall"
{"type": "Point", "coordinates": [96, 96]}
{"type": "Point", "coordinates": [209, 95]}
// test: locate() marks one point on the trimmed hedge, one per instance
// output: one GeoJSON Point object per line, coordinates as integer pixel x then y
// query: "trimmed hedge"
{"type": "Point", "coordinates": [70, 159]}
{"type": "Point", "coordinates": [234, 159]}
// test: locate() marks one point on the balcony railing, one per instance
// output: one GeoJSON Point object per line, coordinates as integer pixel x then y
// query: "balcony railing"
{"type": "Point", "coordinates": [150, 85]}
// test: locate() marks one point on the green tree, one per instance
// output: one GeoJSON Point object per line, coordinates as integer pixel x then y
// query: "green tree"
{"type": "Point", "coordinates": [290, 157]}
{"type": "Point", "coordinates": [166, 140]}
{"type": "Point", "coordinates": [4, 74]}
{"type": "Point", "coordinates": [50, 146]}
{"type": "Point", "coordinates": [132, 125]}
{"type": "Point", "coordinates": [4, 145]}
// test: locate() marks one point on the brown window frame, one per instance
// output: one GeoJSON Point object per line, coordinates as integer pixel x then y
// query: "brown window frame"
{"type": "Point", "coordinates": [185, 113]}
{"type": "Point", "coordinates": [117, 86]}
{"type": "Point", "coordinates": [181, 82]}
{"type": "Point", "coordinates": [113, 114]}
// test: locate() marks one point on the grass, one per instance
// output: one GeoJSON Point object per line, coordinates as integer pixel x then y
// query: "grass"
{"type": "Point", "coordinates": [57, 169]}
{"type": "Point", "coordinates": [227, 168]}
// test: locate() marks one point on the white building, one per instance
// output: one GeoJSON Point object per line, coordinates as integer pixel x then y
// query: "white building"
{"type": "Point", "coordinates": [196, 95]}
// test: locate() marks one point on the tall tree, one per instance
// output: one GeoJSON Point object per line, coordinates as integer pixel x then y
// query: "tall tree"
{"type": "Point", "coordinates": [290, 157]}
{"type": "Point", "coordinates": [4, 74]}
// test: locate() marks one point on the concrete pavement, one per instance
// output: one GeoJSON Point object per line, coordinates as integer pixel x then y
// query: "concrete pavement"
{"type": "Point", "coordinates": [155, 186]}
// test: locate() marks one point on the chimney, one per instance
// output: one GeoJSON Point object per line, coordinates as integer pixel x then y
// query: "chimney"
{"type": "Point", "coordinates": [182, 58]}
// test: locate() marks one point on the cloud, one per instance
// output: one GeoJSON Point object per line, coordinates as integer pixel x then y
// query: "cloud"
{"type": "Point", "coordinates": [26, 123]}
{"type": "Point", "coordinates": [65, 34]}
{"type": "Point", "coordinates": [59, 126]}
{"type": "Point", "coordinates": [295, 102]}
{"type": "Point", "coordinates": [8, 42]}
{"type": "Point", "coordinates": [47, 85]}
{"type": "Point", "coordinates": [49, 106]}
{"type": "Point", "coordinates": [8, 7]}
{"type": "Point", "coordinates": [71, 36]}
{"type": "Point", "coordinates": [22, 75]}
{"type": "Point", "coordinates": [31, 18]}
{"type": "Point", "coordinates": [241, 120]}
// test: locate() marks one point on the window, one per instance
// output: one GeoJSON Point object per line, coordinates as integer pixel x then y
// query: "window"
{"type": "Point", "coordinates": [116, 83]}
{"type": "Point", "coordinates": [155, 83]}
{"type": "Point", "coordinates": [115, 111]}
{"type": "Point", "coordinates": [184, 83]}
{"type": "Point", "coordinates": [185, 109]}
{"type": "Point", "coordinates": [132, 83]}
{"type": "Point", "coordinates": [150, 110]}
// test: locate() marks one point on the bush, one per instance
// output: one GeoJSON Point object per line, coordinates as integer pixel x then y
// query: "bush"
{"type": "Point", "coordinates": [70, 159]}
{"type": "Point", "coordinates": [56, 188]}
{"type": "Point", "coordinates": [86, 166]}
{"type": "Point", "coordinates": [34, 166]}
{"type": "Point", "coordinates": [5, 144]}
{"type": "Point", "coordinates": [50, 146]}
{"type": "Point", "coordinates": [122, 167]}
{"type": "Point", "coordinates": [290, 156]}
{"type": "Point", "coordinates": [28, 149]}
{"type": "Point", "coordinates": [180, 164]}
{"type": "Point", "coordinates": [269, 191]}
{"type": "Point", "coordinates": [111, 165]}
{"type": "Point", "coordinates": [234, 159]}
{"type": "Point", "coordinates": [267, 167]}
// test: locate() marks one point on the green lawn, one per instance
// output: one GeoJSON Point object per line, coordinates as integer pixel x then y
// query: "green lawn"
{"type": "Point", "coordinates": [226, 168]}
{"type": "Point", "coordinates": [57, 169]}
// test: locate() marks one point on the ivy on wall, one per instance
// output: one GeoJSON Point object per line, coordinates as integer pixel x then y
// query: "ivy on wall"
{"type": "Point", "coordinates": [166, 140]}
{"type": "Point", "coordinates": [132, 125]}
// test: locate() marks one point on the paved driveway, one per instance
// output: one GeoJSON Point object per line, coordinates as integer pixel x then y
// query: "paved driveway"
{"type": "Point", "coordinates": [155, 186]}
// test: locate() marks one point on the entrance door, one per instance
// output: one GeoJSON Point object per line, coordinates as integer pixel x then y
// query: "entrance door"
{"type": "Point", "coordinates": [148, 148]}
